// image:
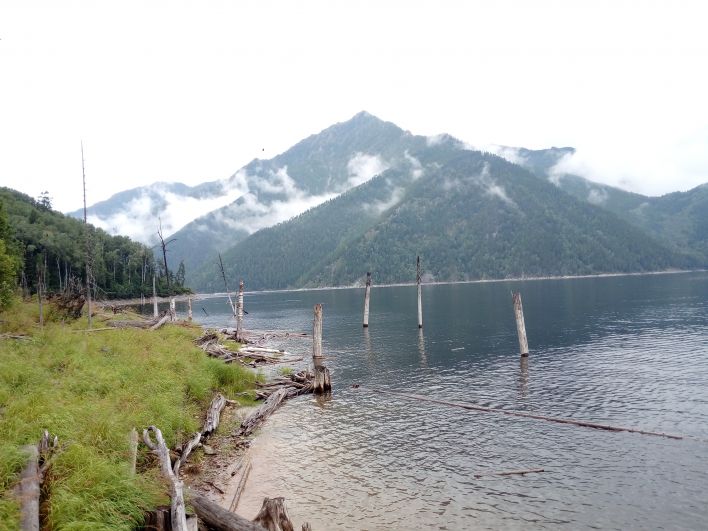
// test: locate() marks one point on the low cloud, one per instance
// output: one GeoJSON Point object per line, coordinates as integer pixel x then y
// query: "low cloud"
{"type": "Point", "coordinates": [362, 167]}
{"type": "Point", "coordinates": [597, 196]}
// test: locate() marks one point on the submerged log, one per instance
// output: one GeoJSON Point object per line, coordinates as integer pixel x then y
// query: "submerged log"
{"type": "Point", "coordinates": [218, 518]}
{"type": "Point", "coordinates": [273, 515]}
{"type": "Point", "coordinates": [510, 473]}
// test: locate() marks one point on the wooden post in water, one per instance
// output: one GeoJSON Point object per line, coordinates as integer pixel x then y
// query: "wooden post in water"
{"type": "Point", "coordinates": [420, 294]}
{"type": "Point", "coordinates": [322, 383]}
{"type": "Point", "coordinates": [367, 296]}
{"type": "Point", "coordinates": [520, 325]}
{"type": "Point", "coordinates": [239, 311]}
{"type": "Point", "coordinates": [154, 297]}
{"type": "Point", "coordinates": [189, 308]}
{"type": "Point", "coordinates": [173, 310]}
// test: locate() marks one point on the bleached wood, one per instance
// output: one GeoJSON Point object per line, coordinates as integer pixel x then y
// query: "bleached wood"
{"type": "Point", "coordinates": [133, 441]}
{"type": "Point", "coordinates": [154, 298]}
{"type": "Point", "coordinates": [239, 312]}
{"type": "Point", "coordinates": [418, 280]}
{"type": "Point", "coordinates": [177, 510]}
{"type": "Point", "coordinates": [161, 322]}
{"type": "Point", "coordinates": [189, 308]}
{"type": "Point", "coordinates": [317, 332]}
{"type": "Point", "coordinates": [520, 325]}
{"type": "Point", "coordinates": [367, 297]}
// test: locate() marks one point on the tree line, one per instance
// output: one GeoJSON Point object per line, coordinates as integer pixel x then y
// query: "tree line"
{"type": "Point", "coordinates": [40, 246]}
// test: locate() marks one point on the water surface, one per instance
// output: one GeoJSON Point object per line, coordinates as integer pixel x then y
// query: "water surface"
{"type": "Point", "coordinates": [628, 351]}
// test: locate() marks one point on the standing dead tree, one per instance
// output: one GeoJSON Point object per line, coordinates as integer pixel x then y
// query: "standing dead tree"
{"type": "Point", "coordinates": [226, 286]}
{"type": "Point", "coordinates": [88, 241]}
{"type": "Point", "coordinates": [164, 245]}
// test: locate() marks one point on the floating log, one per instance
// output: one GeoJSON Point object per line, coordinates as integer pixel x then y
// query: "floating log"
{"type": "Point", "coordinates": [274, 516]}
{"type": "Point", "coordinates": [511, 413]}
{"type": "Point", "coordinates": [510, 473]}
{"type": "Point", "coordinates": [418, 280]}
{"type": "Point", "coordinates": [177, 510]}
{"type": "Point", "coordinates": [218, 518]}
{"type": "Point", "coordinates": [367, 296]}
{"type": "Point", "coordinates": [520, 325]}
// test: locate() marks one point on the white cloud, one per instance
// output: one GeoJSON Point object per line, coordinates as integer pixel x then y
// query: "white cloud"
{"type": "Point", "coordinates": [597, 196]}
{"type": "Point", "coordinates": [416, 167]}
{"type": "Point", "coordinates": [362, 167]}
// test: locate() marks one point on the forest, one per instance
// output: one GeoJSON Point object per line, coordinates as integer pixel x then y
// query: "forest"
{"type": "Point", "coordinates": [42, 247]}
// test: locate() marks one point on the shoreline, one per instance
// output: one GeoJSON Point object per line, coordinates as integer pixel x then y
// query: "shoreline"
{"type": "Point", "coordinates": [215, 295]}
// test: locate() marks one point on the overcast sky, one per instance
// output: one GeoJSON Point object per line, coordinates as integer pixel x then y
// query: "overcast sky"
{"type": "Point", "coordinates": [192, 91]}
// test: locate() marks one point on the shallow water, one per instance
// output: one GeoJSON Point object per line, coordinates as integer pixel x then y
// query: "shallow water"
{"type": "Point", "coordinates": [628, 351]}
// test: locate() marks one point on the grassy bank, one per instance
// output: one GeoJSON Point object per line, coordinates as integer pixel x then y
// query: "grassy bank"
{"type": "Point", "coordinates": [90, 389]}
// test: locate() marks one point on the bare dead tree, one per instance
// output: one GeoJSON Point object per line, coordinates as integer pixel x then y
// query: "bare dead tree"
{"type": "Point", "coordinates": [164, 245]}
{"type": "Point", "coordinates": [228, 293]}
{"type": "Point", "coordinates": [88, 241]}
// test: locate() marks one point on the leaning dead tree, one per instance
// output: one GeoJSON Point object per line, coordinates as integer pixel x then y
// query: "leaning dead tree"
{"type": "Point", "coordinates": [226, 286]}
{"type": "Point", "coordinates": [164, 245]}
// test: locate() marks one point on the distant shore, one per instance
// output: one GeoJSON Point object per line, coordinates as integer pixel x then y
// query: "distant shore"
{"type": "Point", "coordinates": [202, 296]}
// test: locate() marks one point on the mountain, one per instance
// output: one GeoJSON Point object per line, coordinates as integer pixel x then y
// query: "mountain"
{"type": "Point", "coordinates": [314, 170]}
{"type": "Point", "coordinates": [679, 220]}
{"type": "Point", "coordinates": [468, 214]}
{"type": "Point", "coordinates": [135, 212]}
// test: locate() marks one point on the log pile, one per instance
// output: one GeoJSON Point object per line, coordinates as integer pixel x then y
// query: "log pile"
{"type": "Point", "coordinates": [250, 356]}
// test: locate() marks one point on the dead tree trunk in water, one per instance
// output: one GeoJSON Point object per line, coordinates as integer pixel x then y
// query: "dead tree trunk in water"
{"type": "Point", "coordinates": [418, 279]}
{"type": "Point", "coordinates": [239, 310]}
{"type": "Point", "coordinates": [367, 296]}
{"type": "Point", "coordinates": [322, 383]}
{"type": "Point", "coordinates": [154, 297]}
{"type": "Point", "coordinates": [520, 325]}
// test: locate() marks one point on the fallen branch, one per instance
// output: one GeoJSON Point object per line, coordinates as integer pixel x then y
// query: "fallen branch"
{"type": "Point", "coordinates": [256, 418]}
{"type": "Point", "coordinates": [28, 490]}
{"type": "Point", "coordinates": [177, 512]}
{"type": "Point", "coordinates": [210, 424]}
{"type": "Point", "coordinates": [20, 337]}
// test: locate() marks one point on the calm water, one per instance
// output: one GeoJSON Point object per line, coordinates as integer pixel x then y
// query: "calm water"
{"type": "Point", "coordinates": [628, 351]}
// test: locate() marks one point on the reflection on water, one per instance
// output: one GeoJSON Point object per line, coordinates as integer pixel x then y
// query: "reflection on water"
{"type": "Point", "coordinates": [629, 351]}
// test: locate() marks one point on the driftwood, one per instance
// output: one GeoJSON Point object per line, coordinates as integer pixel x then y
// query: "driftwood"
{"type": "Point", "coordinates": [15, 336]}
{"type": "Point", "coordinates": [162, 321]}
{"type": "Point", "coordinates": [510, 473]}
{"type": "Point", "coordinates": [133, 441]}
{"type": "Point", "coordinates": [210, 424]}
{"type": "Point", "coordinates": [256, 418]}
{"type": "Point", "coordinates": [177, 511]}
{"type": "Point", "coordinates": [573, 422]}
{"type": "Point", "coordinates": [273, 516]}
{"type": "Point", "coordinates": [216, 517]}
{"type": "Point", "coordinates": [251, 356]}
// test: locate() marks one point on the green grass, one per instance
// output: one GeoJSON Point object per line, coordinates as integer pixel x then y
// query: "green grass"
{"type": "Point", "coordinates": [90, 389]}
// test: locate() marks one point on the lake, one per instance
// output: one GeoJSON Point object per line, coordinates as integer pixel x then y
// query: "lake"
{"type": "Point", "coordinates": [628, 351]}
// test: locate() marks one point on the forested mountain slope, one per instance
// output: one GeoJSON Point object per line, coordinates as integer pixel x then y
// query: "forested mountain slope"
{"type": "Point", "coordinates": [469, 215]}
